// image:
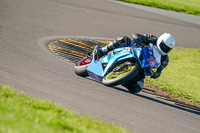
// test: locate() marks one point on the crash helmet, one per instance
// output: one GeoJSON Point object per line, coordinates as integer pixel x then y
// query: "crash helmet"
{"type": "Point", "coordinates": [165, 43]}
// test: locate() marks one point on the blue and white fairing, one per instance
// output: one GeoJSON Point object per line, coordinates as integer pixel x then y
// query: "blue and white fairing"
{"type": "Point", "coordinates": [148, 58]}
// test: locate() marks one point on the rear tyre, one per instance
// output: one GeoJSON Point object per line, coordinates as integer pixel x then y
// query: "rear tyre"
{"type": "Point", "coordinates": [134, 90]}
{"type": "Point", "coordinates": [115, 78]}
{"type": "Point", "coordinates": [134, 86]}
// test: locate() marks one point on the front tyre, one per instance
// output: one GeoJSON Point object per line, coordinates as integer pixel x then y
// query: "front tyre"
{"type": "Point", "coordinates": [121, 74]}
{"type": "Point", "coordinates": [81, 67]}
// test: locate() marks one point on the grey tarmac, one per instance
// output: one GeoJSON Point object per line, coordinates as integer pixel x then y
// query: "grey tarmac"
{"type": "Point", "coordinates": [26, 63]}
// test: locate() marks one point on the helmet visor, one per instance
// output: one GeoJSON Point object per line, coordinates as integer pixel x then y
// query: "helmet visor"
{"type": "Point", "coordinates": [164, 47]}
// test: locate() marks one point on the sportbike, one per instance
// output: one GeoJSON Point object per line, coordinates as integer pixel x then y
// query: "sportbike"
{"type": "Point", "coordinates": [121, 65]}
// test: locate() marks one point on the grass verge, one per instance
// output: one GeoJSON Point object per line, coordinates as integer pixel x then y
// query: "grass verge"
{"type": "Point", "coordinates": [22, 114]}
{"type": "Point", "coordinates": [182, 75]}
{"type": "Point", "coordinates": [186, 6]}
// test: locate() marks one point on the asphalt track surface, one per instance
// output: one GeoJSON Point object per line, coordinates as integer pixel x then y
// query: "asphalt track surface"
{"type": "Point", "coordinates": [28, 65]}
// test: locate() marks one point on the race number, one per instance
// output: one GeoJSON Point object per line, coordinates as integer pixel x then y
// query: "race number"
{"type": "Point", "coordinates": [151, 61]}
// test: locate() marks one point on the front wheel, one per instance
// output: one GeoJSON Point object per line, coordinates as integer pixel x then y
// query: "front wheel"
{"type": "Point", "coordinates": [121, 74]}
{"type": "Point", "coordinates": [81, 67]}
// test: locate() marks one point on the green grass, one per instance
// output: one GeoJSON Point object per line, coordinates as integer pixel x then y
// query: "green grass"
{"type": "Point", "coordinates": [182, 76]}
{"type": "Point", "coordinates": [22, 114]}
{"type": "Point", "coordinates": [186, 6]}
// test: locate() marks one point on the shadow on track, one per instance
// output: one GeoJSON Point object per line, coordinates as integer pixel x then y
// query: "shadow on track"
{"type": "Point", "coordinates": [160, 101]}
{"type": "Point", "coordinates": [156, 99]}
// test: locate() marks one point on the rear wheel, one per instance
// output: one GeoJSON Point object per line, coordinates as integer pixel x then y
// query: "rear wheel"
{"type": "Point", "coordinates": [81, 67]}
{"type": "Point", "coordinates": [134, 86]}
{"type": "Point", "coordinates": [121, 74]}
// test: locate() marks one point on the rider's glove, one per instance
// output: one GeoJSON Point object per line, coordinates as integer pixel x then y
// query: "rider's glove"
{"type": "Point", "coordinates": [97, 52]}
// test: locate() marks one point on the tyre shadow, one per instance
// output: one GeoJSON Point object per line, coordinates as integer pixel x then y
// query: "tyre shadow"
{"type": "Point", "coordinates": [161, 101]}
{"type": "Point", "coordinates": [156, 99]}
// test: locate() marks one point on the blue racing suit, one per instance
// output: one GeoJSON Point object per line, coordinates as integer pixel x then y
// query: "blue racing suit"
{"type": "Point", "coordinates": [135, 85]}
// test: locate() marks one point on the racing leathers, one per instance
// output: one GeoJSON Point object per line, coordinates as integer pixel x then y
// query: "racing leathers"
{"type": "Point", "coordinates": [135, 85]}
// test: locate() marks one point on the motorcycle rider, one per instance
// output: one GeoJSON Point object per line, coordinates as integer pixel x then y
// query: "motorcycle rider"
{"type": "Point", "coordinates": [164, 44]}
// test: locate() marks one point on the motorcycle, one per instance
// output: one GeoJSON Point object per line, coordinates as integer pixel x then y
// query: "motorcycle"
{"type": "Point", "coordinates": [121, 65]}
